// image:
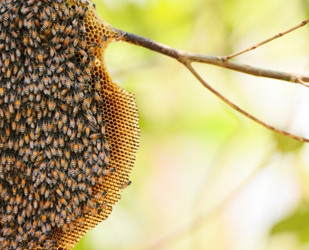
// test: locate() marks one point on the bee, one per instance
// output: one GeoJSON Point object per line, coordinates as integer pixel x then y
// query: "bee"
{"type": "Point", "coordinates": [27, 79]}
{"type": "Point", "coordinates": [41, 68]}
{"type": "Point", "coordinates": [8, 73]}
{"type": "Point", "coordinates": [68, 29]}
{"type": "Point", "coordinates": [61, 142]}
{"type": "Point", "coordinates": [70, 65]}
{"type": "Point", "coordinates": [99, 148]}
{"type": "Point", "coordinates": [42, 189]}
{"type": "Point", "coordinates": [14, 34]}
{"type": "Point", "coordinates": [35, 35]}
{"type": "Point", "coordinates": [4, 194]}
{"type": "Point", "coordinates": [10, 146]}
{"type": "Point", "coordinates": [80, 127]}
{"type": "Point", "coordinates": [79, 96]}
{"type": "Point", "coordinates": [58, 191]}
{"type": "Point", "coordinates": [51, 104]}
{"type": "Point", "coordinates": [7, 132]}
{"type": "Point", "coordinates": [12, 58]}
{"type": "Point", "coordinates": [15, 71]}
{"type": "Point", "coordinates": [107, 172]}
{"type": "Point", "coordinates": [69, 183]}
{"type": "Point", "coordinates": [46, 80]}
{"type": "Point", "coordinates": [6, 62]}
{"type": "Point", "coordinates": [63, 107]}
{"type": "Point", "coordinates": [65, 128]}
{"type": "Point", "coordinates": [25, 40]}
{"type": "Point", "coordinates": [46, 195]}
{"type": "Point", "coordinates": [83, 44]}
{"type": "Point", "coordinates": [75, 199]}
{"type": "Point", "coordinates": [125, 185]}
{"type": "Point", "coordinates": [48, 153]}
{"type": "Point", "coordinates": [62, 201]}
{"type": "Point", "coordinates": [52, 217]}
{"type": "Point", "coordinates": [37, 196]}
{"type": "Point", "coordinates": [67, 154]}
{"type": "Point", "coordinates": [95, 136]}
{"type": "Point", "coordinates": [75, 148]}
{"type": "Point", "coordinates": [56, 29]}
{"type": "Point", "coordinates": [46, 24]}
{"type": "Point", "coordinates": [18, 52]}
{"type": "Point", "coordinates": [71, 50]}
{"type": "Point", "coordinates": [53, 16]}
{"type": "Point", "coordinates": [39, 113]}
{"type": "Point", "coordinates": [82, 197]}
{"type": "Point", "coordinates": [5, 243]}
{"type": "Point", "coordinates": [100, 195]}
{"type": "Point", "coordinates": [11, 108]}
{"type": "Point", "coordinates": [15, 209]}
{"type": "Point", "coordinates": [19, 165]}
{"type": "Point", "coordinates": [43, 217]}
{"type": "Point", "coordinates": [20, 219]}
{"type": "Point", "coordinates": [75, 41]}
{"type": "Point", "coordinates": [49, 139]}
{"type": "Point", "coordinates": [29, 23]}
{"type": "Point", "coordinates": [17, 105]}
{"type": "Point", "coordinates": [106, 160]}
{"type": "Point", "coordinates": [40, 56]}
{"type": "Point", "coordinates": [88, 71]}
{"type": "Point", "coordinates": [59, 70]}
{"type": "Point", "coordinates": [55, 174]}
{"type": "Point", "coordinates": [2, 35]}
{"type": "Point", "coordinates": [67, 41]}
{"type": "Point", "coordinates": [42, 238]}
{"type": "Point", "coordinates": [106, 146]}
{"type": "Point", "coordinates": [6, 17]}
{"type": "Point", "coordinates": [30, 2]}
{"type": "Point", "coordinates": [40, 86]}
{"type": "Point", "coordinates": [9, 209]}
{"type": "Point", "coordinates": [31, 96]}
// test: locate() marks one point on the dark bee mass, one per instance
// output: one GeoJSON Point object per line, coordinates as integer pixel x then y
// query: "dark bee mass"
{"type": "Point", "coordinates": [53, 148]}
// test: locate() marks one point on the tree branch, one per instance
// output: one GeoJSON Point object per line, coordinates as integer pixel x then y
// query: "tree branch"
{"type": "Point", "coordinates": [221, 61]}
{"type": "Point", "coordinates": [187, 58]}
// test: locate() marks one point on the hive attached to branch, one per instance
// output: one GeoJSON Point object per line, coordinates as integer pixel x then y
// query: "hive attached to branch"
{"type": "Point", "coordinates": [68, 133]}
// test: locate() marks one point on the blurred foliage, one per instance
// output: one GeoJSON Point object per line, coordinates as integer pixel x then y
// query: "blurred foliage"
{"type": "Point", "coordinates": [295, 223]}
{"type": "Point", "coordinates": [196, 154]}
{"type": "Point", "coordinates": [286, 144]}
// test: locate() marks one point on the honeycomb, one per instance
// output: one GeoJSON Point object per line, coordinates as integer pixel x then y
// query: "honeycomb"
{"type": "Point", "coordinates": [68, 133]}
{"type": "Point", "coordinates": [122, 130]}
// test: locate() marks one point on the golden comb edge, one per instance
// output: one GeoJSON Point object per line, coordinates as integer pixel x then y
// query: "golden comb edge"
{"type": "Point", "coordinates": [120, 114]}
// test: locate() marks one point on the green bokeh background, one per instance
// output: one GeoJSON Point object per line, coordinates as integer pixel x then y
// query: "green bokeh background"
{"type": "Point", "coordinates": [206, 177]}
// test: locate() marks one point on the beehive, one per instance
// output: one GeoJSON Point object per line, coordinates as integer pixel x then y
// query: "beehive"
{"type": "Point", "coordinates": [68, 133]}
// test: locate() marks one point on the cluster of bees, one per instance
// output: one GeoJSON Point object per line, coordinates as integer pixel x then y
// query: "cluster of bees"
{"type": "Point", "coordinates": [53, 148]}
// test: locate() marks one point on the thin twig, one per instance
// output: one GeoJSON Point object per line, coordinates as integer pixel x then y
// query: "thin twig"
{"type": "Point", "coordinates": [240, 110]}
{"type": "Point", "coordinates": [187, 59]}
{"type": "Point", "coordinates": [303, 23]}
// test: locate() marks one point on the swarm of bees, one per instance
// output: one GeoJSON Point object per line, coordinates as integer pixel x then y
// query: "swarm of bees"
{"type": "Point", "coordinates": [68, 134]}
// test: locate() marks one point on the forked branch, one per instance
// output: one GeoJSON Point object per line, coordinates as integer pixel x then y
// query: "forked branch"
{"type": "Point", "coordinates": [187, 58]}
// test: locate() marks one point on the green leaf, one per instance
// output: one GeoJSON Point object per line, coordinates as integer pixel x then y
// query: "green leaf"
{"type": "Point", "coordinates": [286, 144]}
{"type": "Point", "coordinates": [296, 223]}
